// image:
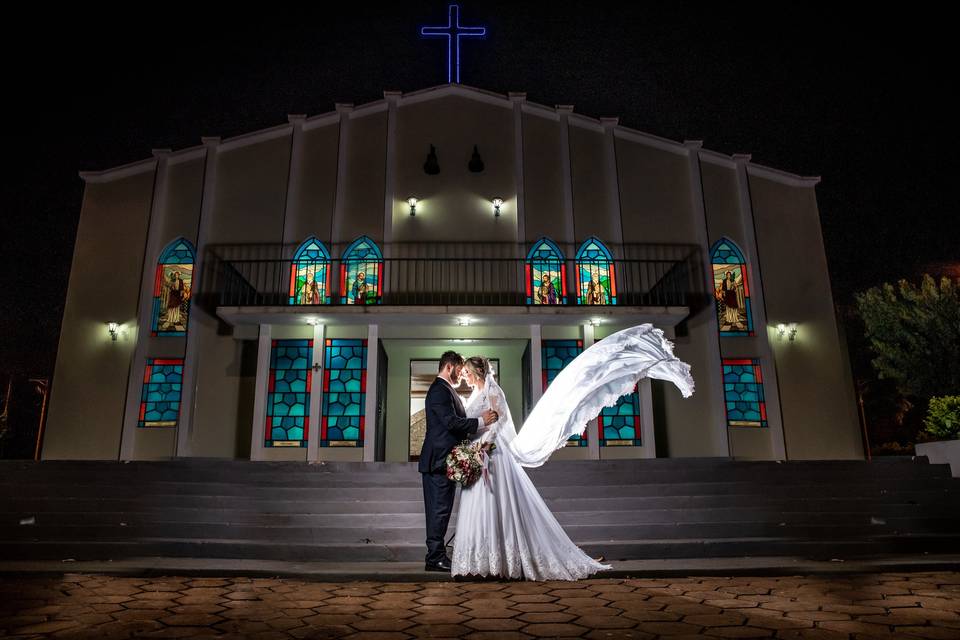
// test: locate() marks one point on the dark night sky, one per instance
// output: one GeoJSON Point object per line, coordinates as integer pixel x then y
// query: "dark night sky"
{"type": "Point", "coordinates": [858, 100]}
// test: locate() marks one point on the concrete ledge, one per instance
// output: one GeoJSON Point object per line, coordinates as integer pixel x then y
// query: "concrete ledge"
{"type": "Point", "coordinates": [945, 452]}
{"type": "Point", "coordinates": [413, 571]}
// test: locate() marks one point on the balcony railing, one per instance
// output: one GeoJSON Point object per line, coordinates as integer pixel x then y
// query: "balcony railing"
{"type": "Point", "coordinates": [675, 278]}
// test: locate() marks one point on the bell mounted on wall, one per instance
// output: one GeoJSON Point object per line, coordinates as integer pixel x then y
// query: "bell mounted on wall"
{"type": "Point", "coordinates": [476, 162]}
{"type": "Point", "coordinates": [432, 166]}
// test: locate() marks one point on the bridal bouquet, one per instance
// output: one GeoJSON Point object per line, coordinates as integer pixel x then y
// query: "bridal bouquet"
{"type": "Point", "coordinates": [466, 462]}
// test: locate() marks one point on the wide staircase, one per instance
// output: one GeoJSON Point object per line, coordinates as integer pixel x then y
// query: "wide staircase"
{"type": "Point", "coordinates": [373, 512]}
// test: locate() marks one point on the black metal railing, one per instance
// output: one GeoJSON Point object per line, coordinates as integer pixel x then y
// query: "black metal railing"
{"type": "Point", "coordinates": [672, 277]}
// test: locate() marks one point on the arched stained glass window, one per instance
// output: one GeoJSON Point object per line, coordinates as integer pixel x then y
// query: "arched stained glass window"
{"type": "Point", "coordinates": [172, 289]}
{"type": "Point", "coordinates": [361, 268]}
{"type": "Point", "coordinates": [731, 289]}
{"type": "Point", "coordinates": [545, 275]}
{"type": "Point", "coordinates": [310, 274]}
{"type": "Point", "coordinates": [596, 279]}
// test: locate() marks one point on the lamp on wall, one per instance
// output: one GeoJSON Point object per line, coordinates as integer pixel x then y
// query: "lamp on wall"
{"type": "Point", "coordinates": [463, 321]}
{"type": "Point", "coordinates": [313, 322]}
{"type": "Point", "coordinates": [413, 205]}
{"type": "Point", "coordinates": [497, 203]}
{"type": "Point", "coordinates": [595, 322]}
{"type": "Point", "coordinates": [788, 330]}
{"type": "Point", "coordinates": [114, 329]}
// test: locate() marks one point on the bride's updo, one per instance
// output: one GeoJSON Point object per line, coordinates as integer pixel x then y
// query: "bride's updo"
{"type": "Point", "coordinates": [478, 366]}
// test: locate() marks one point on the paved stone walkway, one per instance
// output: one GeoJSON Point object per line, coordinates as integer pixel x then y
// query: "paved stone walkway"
{"type": "Point", "coordinates": [886, 605]}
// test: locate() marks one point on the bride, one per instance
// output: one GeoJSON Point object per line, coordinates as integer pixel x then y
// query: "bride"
{"type": "Point", "coordinates": [504, 528]}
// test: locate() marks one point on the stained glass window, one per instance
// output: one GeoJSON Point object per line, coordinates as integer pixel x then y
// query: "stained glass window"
{"type": "Point", "coordinates": [310, 274]}
{"type": "Point", "coordinates": [555, 355]}
{"type": "Point", "coordinates": [288, 396]}
{"type": "Point", "coordinates": [160, 396]}
{"type": "Point", "coordinates": [620, 424]}
{"type": "Point", "coordinates": [743, 392]}
{"type": "Point", "coordinates": [545, 274]}
{"type": "Point", "coordinates": [731, 289]}
{"type": "Point", "coordinates": [360, 273]}
{"type": "Point", "coordinates": [172, 287]}
{"type": "Point", "coordinates": [596, 279]}
{"type": "Point", "coordinates": [344, 393]}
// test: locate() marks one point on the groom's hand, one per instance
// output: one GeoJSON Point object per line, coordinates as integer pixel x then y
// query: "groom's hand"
{"type": "Point", "coordinates": [489, 417]}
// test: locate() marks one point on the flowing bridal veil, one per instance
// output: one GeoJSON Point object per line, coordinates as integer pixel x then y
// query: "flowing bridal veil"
{"type": "Point", "coordinates": [595, 379]}
{"type": "Point", "coordinates": [504, 527]}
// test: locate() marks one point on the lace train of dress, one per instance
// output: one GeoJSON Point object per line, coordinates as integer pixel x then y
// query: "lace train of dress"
{"type": "Point", "coordinates": [504, 528]}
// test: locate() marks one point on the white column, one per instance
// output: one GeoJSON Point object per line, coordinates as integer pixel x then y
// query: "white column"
{"type": "Point", "coordinates": [154, 246]}
{"type": "Point", "coordinates": [292, 210]}
{"type": "Point", "coordinates": [613, 177]}
{"type": "Point", "coordinates": [370, 406]}
{"type": "Point", "coordinates": [536, 365]}
{"type": "Point", "coordinates": [717, 412]}
{"type": "Point", "coordinates": [647, 435]}
{"type": "Point", "coordinates": [189, 391]}
{"type": "Point", "coordinates": [336, 223]}
{"type": "Point", "coordinates": [257, 435]}
{"type": "Point", "coordinates": [768, 363]}
{"type": "Point", "coordinates": [316, 394]}
{"type": "Point", "coordinates": [518, 99]}
{"type": "Point", "coordinates": [593, 427]}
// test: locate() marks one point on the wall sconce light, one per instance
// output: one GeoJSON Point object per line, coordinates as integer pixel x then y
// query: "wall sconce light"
{"type": "Point", "coordinates": [497, 203]}
{"type": "Point", "coordinates": [595, 322]}
{"type": "Point", "coordinates": [463, 322]}
{"type": "Point", "coordinates": [789, 330]}
{"type": "Point", "coordinates": [413, 205]}
{"type": "Point", "coordinates": [114, 329]}
{"type": "Point", "coordinates": [313, 322]}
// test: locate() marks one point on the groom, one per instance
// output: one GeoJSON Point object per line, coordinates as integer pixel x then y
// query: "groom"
{"type": "Point", "coordinates": [447, 426]}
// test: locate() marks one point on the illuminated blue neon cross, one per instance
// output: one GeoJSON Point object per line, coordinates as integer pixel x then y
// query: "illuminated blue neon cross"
{"type": "Point", "coordinates": [453, 32]}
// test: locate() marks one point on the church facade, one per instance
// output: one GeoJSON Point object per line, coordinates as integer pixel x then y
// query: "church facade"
{"type": "Point", "coordinates": [285, 295]}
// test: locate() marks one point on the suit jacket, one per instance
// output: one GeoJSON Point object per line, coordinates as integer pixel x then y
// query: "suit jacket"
{"type": "Point", "coordinates": [447, 426]}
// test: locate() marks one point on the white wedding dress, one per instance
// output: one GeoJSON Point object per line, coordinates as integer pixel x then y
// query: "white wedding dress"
{"type": "Point", "coordinates": [504, 528]}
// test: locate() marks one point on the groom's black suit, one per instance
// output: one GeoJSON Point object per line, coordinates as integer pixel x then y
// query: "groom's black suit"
{"type": "Point", "coordinates": [447, 425]}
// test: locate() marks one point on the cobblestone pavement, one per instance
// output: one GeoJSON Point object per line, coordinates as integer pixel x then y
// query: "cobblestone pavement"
{"type": "Point", "coordinates": [902, 605]}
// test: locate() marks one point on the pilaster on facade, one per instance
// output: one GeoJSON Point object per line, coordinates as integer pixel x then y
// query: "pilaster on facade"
{"type": "Point", "coordinates": [612, 179]}
{"type": "Point", "coordinates": [259, 423]}
{"type": "Point", "coordinates": [339, 204]}
{"type": "Point", "coordinates": [518, 99]}
{"type": "Point", "coordinates": [151, 255]}
{"type": "Point", "coordinates": [593, 427]}
{"type": "Point", "coordinates": [768, 362]}
{"type": "Point", "coordinates": [189, 388]}
{"type": "Point", "coordinates": [292, 209]}
{"type": "Point", "coordinates": [717, 414]}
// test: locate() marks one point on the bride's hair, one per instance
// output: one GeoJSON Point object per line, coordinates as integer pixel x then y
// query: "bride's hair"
{"type": "Point", "coordinates": [479, 366]}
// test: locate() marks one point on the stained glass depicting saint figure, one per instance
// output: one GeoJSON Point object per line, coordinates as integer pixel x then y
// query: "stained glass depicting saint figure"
{"type": "Point", "coordinates": [597, 284]}
{"type": "Point", "coordinates": [172, 288]}
{"type": "Point", "coordinates": [360, 273]}
{"type": "Point", "coordinates": [309, 274]}
{"type": "Point", "coordinates": [731, 290]}
{"type": "Point", "coordinates": [545, 275]}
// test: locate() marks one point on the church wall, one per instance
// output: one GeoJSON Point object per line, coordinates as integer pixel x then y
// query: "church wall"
{"type": "Point", "coordinates": [724, 220]}
{"type": "Point", "coordinates": [542, 179]}
{"type": "Point", "coordinates": [311, 210]}
{"type": "Point", "coordinates": [364, 183]}
{"type": "Point", "coordinates": [654, 194]}
{"type": "Point", "coordinates": [455, 204]}
{"type": "Point", "coordinates": [592, 214]}
{"type": "Point", "coordinates": [90, 380]}
{"type": "Point", "coordinates": [816, 387]}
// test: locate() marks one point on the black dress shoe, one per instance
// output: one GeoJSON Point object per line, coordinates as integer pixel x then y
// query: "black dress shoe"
{"type": "Point", "coordinates": [441, 565]}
